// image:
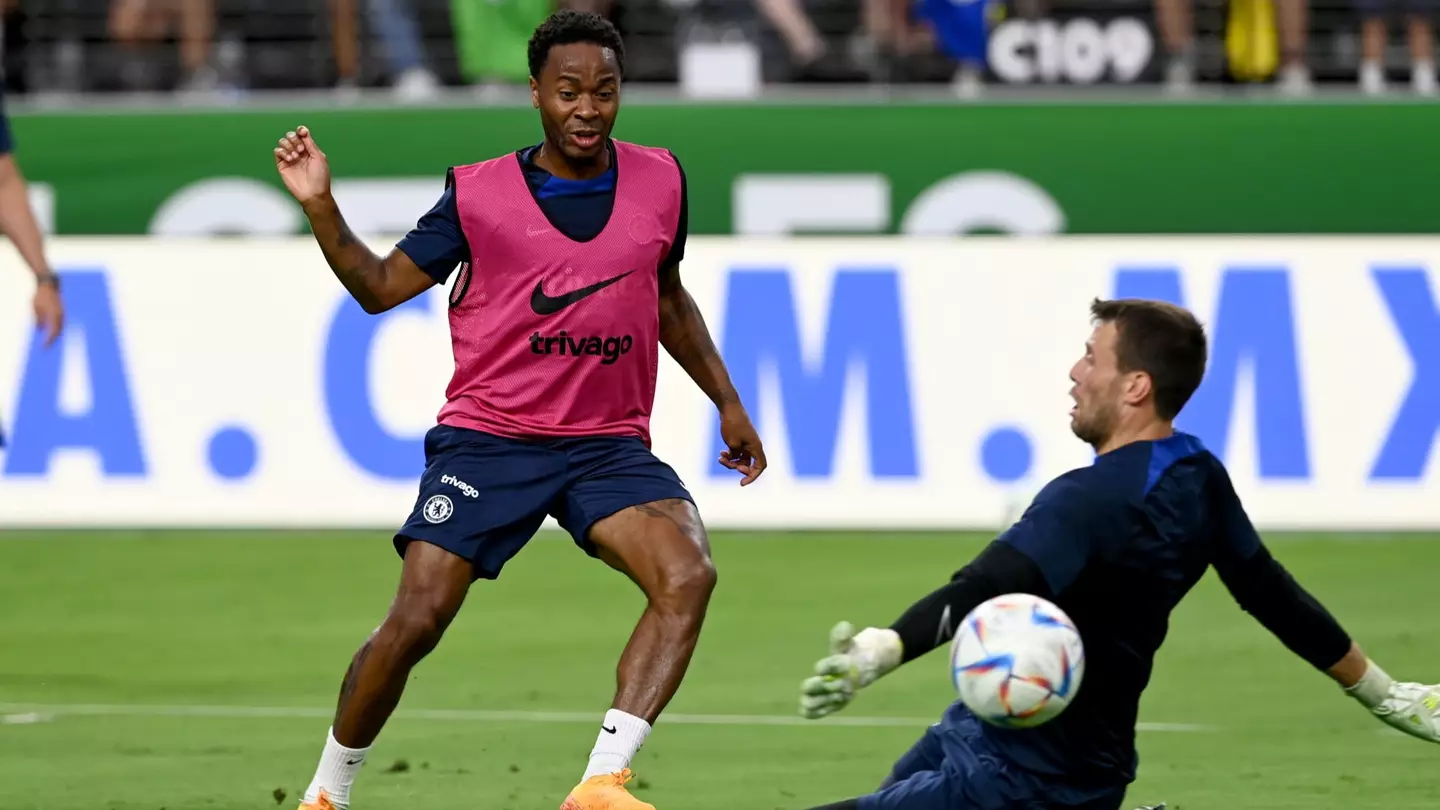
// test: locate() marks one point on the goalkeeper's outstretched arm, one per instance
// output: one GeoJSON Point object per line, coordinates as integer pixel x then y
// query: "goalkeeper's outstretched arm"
{"type": "Point", "coordinates": [1265, 590]}
{"type": "Point", "coordinates": [931, 622]}
{"type": "Point", "coordinates": [857, 659]}
{"type": "Point", "coordinates": [1041, 554]}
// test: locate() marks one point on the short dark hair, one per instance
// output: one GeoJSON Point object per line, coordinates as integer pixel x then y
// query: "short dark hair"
{"type": "Point", "coordinates": [565, 27]}
{"type": "Point", "coordinates": [1162, 340]}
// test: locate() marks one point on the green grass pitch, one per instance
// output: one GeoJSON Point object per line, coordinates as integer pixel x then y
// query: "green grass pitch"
{"type": "Point", "coordinates": [196, 670]}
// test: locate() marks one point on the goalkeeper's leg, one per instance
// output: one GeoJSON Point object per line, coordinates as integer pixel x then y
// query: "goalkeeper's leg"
{"type": "Point", "coordinates": [951, 768]}
{"type": "Point", "coordinates": [937, 790]}
{"type": "Point", "coordinates": [927, 754]}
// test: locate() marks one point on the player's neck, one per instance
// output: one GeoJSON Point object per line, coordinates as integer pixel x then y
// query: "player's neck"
{"type": "Point", "coordinates": [553, 160]}
{"type": "Point", "coordinates": [1150, 430]}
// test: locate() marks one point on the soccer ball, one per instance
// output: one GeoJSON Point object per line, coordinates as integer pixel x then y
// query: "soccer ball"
{"type": "Point", "coordinates": [1017, 661]}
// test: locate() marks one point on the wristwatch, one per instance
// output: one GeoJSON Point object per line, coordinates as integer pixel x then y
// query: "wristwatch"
{"type": "Point", "coordinates": [53, 280]}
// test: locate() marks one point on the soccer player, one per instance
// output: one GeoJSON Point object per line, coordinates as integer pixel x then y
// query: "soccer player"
{"type": "Point", "coordinates": [1116, 545]}
{"type": "Point", "coordinates": [568, 284]}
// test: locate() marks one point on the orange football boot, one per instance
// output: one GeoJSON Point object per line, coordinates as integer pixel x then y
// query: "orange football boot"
{"type": "Point", "coordinates": [321, 803]}
{"type": "Point", "coordinates": [604, 792]}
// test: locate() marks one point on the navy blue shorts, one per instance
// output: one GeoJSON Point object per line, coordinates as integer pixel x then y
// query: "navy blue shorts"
{"type": "Point", "coordinates": [483, 497]}
{"type": "Point", "coordinates": [953, 768]}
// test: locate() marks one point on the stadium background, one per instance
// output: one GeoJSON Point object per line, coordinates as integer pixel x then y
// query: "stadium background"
{"type": "Point", "coordinates": [201, 480]}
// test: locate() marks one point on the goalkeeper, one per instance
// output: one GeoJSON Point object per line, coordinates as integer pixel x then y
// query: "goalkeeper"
{"type": "Point", "coordinates": [1116, 545]}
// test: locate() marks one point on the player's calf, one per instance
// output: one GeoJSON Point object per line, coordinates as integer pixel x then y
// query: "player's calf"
{"type": "Point", "coordinates": [433, 584]}
{"type": "Point", "coordinates": [412, 629]}
{"type": "Point", "coordinates": [663, 548]}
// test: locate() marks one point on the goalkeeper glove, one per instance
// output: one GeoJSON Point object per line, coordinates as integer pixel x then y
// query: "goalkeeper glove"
{"type": "Point", "coordinates": [1411, 707]}
{"type": "Point", "coordinates": [856, 660]}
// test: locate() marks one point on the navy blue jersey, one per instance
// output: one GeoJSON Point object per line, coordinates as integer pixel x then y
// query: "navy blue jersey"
{"type": "Point", "coordinates": [1118, 544]}
{"type": "Point", "coordinates": [577, 208]}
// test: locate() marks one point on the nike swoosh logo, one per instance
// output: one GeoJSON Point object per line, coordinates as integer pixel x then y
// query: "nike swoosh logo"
{"type": "Point", "coordinates": [544, 304]}
{"type": "Point", "coordinates": [609, 729]}
{"type": "Point", "coordinates": [946, 631]}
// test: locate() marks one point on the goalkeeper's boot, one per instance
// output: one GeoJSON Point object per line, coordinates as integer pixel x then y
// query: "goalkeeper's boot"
{"type": "Point", "coordinates": [604, 792]}
{"type": "Point", "coordinates": [322, 802]}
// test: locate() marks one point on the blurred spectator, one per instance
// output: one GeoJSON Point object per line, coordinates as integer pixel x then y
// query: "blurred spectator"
{"type": "Point", "coordinates": [345, 43]}
{"type": "Point", "coordinates": [788, 42]}
{"type": "Point", "coordinates": [1176, 21]}
{"type": "Point", "coordinates": [142, 22]}
{"type": "Point", "coordinates": [1294, 24]}
{"type": "Point", "coordinates": [392, 23]}
{"type": "Point", "coordinates": [962, 28]}
{"type": "Point", "coordinates": [491, 38]}
{"type": "Point", "coordinates": [888, 35]}
{"type": "Point", "coordinates": [410, 44]}
{"type": "Point", "coordinates": [1375, 39]}
{"type": "Point", "coordinates": [802, 39]}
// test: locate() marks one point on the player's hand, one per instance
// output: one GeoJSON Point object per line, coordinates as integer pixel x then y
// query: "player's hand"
{"type": "Point", "coordinates": [302, 166]}
{"type": "Point", "coordinates": [49, 311]}
{"type": "Point", "coordinates": [744, 454]}
{"type": "Point", "coordinates": [856, 660]}
{"type": "Point", "coordinates": [1411, 707]}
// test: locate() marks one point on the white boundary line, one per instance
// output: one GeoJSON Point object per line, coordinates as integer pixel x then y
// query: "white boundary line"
{"type": "Point", "coordinates": [19, 713]}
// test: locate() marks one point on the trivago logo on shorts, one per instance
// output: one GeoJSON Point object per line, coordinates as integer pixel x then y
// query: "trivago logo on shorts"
{"type": "Point", "coordinates": [466, 489]}
{"type": "Point", "coordinates": [608, 349]}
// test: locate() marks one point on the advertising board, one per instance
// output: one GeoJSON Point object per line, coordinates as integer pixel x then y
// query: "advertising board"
{"type": "Point", "coordinates": [758, 169]}
{"type": "Point", "coordinates": [898, 383]}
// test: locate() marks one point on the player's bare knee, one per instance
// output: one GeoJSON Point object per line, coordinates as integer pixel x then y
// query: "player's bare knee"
{"type": "Point", "coordinates": [685, 586]}
{"type": "Point", "coordinates": [689, 579]}
{"type": "Point", "coordinates": [415, 627]}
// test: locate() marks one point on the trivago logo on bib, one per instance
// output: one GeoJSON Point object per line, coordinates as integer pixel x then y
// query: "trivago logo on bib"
{"type": "Point", "coordinates": [608, 349]}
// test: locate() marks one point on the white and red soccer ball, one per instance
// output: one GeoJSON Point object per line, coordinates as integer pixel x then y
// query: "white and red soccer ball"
{"type": "Point", "coordinates": [1017, 661]}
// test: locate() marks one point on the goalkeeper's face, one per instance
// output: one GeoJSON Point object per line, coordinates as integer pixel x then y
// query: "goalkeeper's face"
{"type": "Point", "coordinates": [1098, 387]}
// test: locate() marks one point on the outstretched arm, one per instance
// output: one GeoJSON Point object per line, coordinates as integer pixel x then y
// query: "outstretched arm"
{"type": "Point", "coordinates": [859, 659]}
{"type": "Point", "coordinates": [685, 336]}
{"type": "Point", "coordinates": [932, 622]}
{"type": "Point", "coordinates": [1265, 590]}
{"type": "Point", "coordinates": [377, 284]}
{"type": "Point", "coordinates": [1051, 530]}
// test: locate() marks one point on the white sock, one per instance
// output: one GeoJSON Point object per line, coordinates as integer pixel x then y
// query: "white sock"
{"type": "Point", "coordinates": [336, 772]}
{"type": "Point", "coordinates": [621, 735]}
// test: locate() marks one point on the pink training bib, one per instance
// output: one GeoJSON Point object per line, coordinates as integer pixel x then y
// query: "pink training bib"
{"type": "Point", "coordinates": [553, 337]}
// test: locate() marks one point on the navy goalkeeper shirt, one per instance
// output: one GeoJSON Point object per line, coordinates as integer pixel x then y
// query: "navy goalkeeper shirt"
{"type": "Point", "coordinates": [1117, 545]}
